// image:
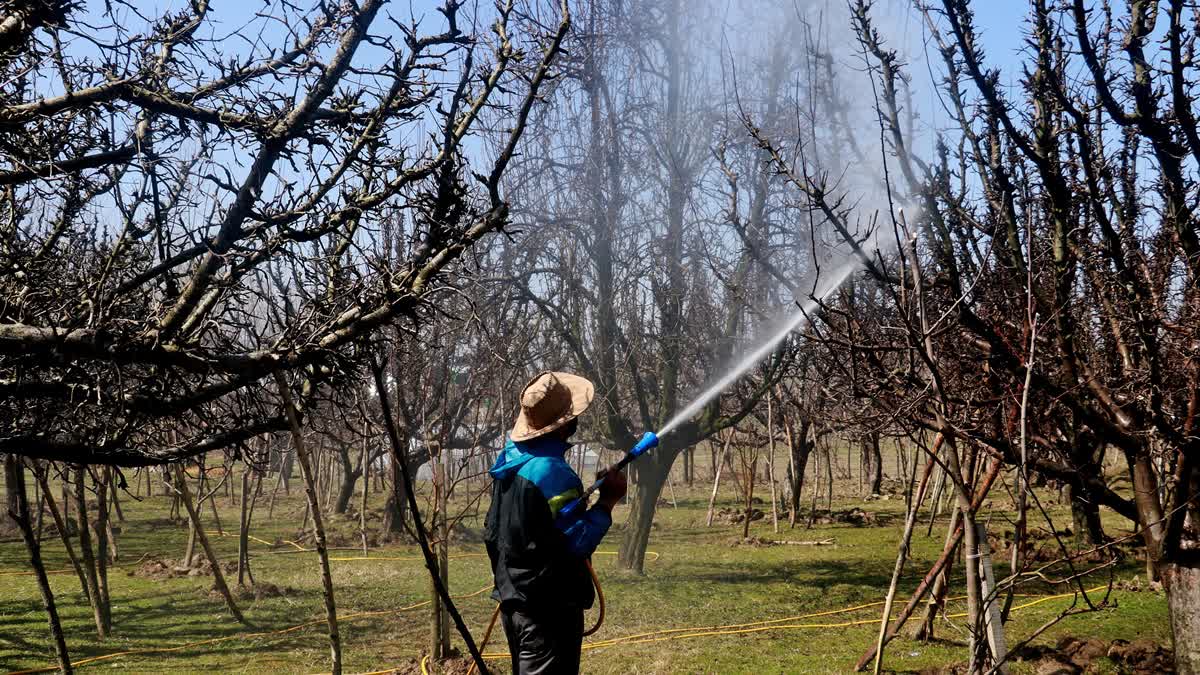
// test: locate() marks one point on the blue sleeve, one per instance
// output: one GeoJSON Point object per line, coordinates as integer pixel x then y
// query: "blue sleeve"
{"type": "Point", "coordinates": [584, 535]}
{"type": "Point", "coordinates": [560, 486]}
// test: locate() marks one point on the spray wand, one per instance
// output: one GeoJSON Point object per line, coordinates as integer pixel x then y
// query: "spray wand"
{"type": "Point", "coordinates": [647, 441]}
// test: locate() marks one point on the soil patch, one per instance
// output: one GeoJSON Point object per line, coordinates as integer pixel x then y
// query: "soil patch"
{"type": "Point", "coordinates": [259, 591]}
{"type": "Point", "coordinates": [169, 568]}
{"type": "Point", "coordinates": [735, 516]}
{"type": "Point", "coordinates": [1075, 656]}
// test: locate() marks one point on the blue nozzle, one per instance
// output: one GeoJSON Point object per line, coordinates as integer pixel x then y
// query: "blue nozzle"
{"type": "Point", "coordinates": [648, 440]}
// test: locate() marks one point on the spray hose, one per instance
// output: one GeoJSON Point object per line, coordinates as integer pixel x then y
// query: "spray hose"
{"type": "Point", "coordinates": [647, 441]}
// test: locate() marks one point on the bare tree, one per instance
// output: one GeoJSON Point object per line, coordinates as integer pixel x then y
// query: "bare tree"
{"type": "Point", "coordinates": [177, 228]}
{"type": "Point", "coordinates": [1054, 200]}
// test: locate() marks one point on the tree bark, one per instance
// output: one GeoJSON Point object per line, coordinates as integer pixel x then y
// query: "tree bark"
{"type": "Point", "coordinates": [798, 451]}
{"type": "Point", "coordinates": [244, 530]}
{"type": "Point", "coordinates": [349, 479]}
{"type": "Point", "coordinates": [719, 462]}
{"type": "Point", "coordinates": [874, 463]}
{"type": "Point", "coordinates": [902, 554]}
{"type": "Point", "coordinates": [362, 509]}
{"type": "Point", "coordinates": [750, 495]}
{"type": "Point", "coordinates": [14, 483]}
{"type": "Point", "coordinates": [632, 554]}
{"type": "Point", "coordinates": [394, 511]}
{"type": "Point", "coordinates": [1085, 518]}
{"type": "Point", "coordinates": [102, 547]}
{"type": "Point", "coordinates": [1182, 583]}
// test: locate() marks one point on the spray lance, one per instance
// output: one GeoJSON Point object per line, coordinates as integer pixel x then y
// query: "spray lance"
{"type": "Point", "coordinates": [647, 441]}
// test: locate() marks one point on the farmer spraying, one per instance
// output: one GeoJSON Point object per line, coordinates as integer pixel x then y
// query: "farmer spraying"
{"type": "Point", "coordinates": [538, 538]}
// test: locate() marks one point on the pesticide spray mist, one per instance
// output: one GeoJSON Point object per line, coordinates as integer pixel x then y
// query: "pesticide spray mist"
{"type": "Point", "coordinates": [791, 323]}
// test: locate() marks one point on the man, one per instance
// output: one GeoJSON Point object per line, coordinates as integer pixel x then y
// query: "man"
{"type": "Point", "coordinates": [539, 560]}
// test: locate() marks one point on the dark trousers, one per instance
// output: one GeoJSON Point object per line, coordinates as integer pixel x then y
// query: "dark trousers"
{"type": "Point", "coordinates": [543, 641]}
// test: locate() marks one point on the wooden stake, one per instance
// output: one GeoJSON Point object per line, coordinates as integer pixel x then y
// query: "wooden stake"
{"type": "Point", "coordinates": [771, 462]}
{"type": "Point", "coordinates": [185, 496]}
{"type": "Point", "coordinates": [306, 471]}
{"type": "Point", "coordinates": [717, 478]}
{"type": "Point", "coordinates": [15, 483]}
{"type": "Point", "coordinates": [61, 524]}
{"type": "Point", "coordinates": [992, 623]}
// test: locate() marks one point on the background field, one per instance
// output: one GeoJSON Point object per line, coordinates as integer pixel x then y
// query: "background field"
{"type": "Point", "coordinates": [697, 576]}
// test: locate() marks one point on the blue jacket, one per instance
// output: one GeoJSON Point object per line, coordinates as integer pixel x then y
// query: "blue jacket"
{"type": "Point", "coordinates": [538, 558]}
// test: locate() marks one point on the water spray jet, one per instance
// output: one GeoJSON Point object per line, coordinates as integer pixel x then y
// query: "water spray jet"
{"type": "Point", "coordinates": [791, 323]}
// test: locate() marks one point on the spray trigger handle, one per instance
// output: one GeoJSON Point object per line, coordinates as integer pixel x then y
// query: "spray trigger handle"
{"type": "Point", "coordinates": [647, 441]}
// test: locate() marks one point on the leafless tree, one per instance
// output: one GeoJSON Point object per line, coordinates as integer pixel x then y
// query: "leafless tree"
{"type": "Point", "coordinates": [182, 220]}
{"type": "Point", "coordinates": [1057, 219]}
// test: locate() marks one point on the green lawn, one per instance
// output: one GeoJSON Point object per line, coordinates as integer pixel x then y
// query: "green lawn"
{"type": "Point", "coordinates": [700, 578]}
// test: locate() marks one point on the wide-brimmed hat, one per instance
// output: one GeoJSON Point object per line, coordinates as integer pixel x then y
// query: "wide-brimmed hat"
{"type": "Point", "coordinates": [549, 401]}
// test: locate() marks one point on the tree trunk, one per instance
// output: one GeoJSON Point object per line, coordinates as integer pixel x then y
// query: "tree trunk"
{"type": "Point", "coordinates": [14, 484]}
{"type": "Point", "coordinates": [440, 618]}
{"type": "Point", "coordinates": [190, 553]}
{"type": "Point", "coordinates": [901, 556]}
{"type": "Point", "coordinates": [102, 547]}
{"type": "Point", "coordinates": [362, 509]}
{"type": "Point", "coordinates": [1182, 583]}
{"type": "Point", "coordinates": [874, 463]}
{"type": "Point", "coordinates": [718, 462]}
{"type": "Point", "coordinates": [749, 495]}
{"type": "Point", "coordinates": [771, 464]}
{"type": "Point", "coordinates": [396, 508]}
{"type": "Point", "coordinates": [244, 530]}
{"type": "Point", "coordinates": [85, 548]}
{"type": "Point", "coordinates": [1085, 518]}
{"type": "Point", "coordinates": [346, 489]}
{"type": "Point", "coordinates": [937, 596]}
{"type": "Point", "coordinates": [632, 554]}
{"type": "Point", "coordinates": [285, 470]}
{"type": "Point", "coordinates": [798, 451]}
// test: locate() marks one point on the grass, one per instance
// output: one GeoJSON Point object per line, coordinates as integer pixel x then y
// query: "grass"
{"type": "Point", "coordinates": [700, 578]}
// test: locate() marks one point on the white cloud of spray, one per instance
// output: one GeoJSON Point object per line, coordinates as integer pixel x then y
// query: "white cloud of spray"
{"type": "Point", "coordinates": [826, 126]}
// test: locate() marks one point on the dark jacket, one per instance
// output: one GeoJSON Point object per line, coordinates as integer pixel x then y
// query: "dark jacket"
{"type": "Point", "coordinates": [537, 561]}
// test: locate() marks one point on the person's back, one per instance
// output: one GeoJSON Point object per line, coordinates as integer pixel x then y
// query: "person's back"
{"type": "Point", "coordinates": [539, 560]}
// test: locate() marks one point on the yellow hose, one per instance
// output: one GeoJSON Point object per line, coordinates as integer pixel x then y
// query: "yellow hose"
{"type": "Point", "coordinates": [639, 638]}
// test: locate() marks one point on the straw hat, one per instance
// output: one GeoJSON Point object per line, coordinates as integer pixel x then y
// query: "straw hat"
{"type": "Point", "coordinates": [549, 401]}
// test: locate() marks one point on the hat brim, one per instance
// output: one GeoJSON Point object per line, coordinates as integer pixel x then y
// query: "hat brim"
{"type": "Point", "coordinates": [582, 391]}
